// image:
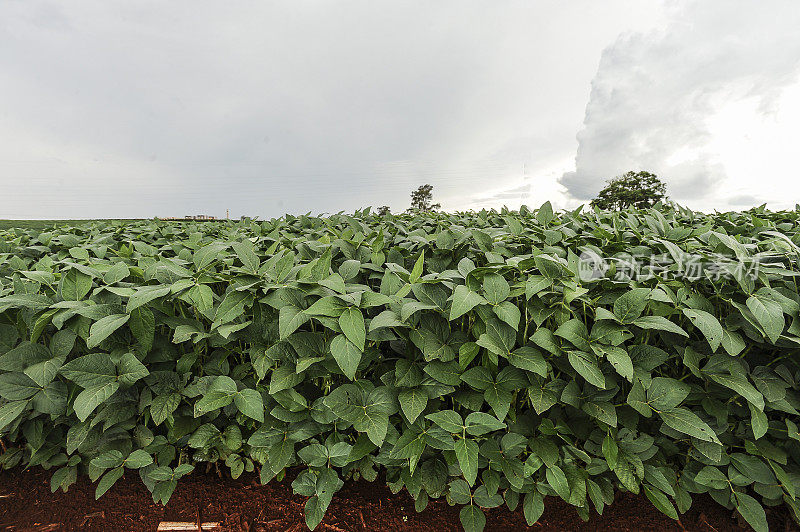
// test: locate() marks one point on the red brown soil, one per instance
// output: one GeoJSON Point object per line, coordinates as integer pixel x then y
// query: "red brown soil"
{"type": "Point", "coordinates": [26, 504]}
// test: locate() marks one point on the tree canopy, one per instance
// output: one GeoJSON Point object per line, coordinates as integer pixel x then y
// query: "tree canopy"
{"type": "Point", "coordinates": [421, 199]}
{"type": "Point", "coordinates": [631, 189]}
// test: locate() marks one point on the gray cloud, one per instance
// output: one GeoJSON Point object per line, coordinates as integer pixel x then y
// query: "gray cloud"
{"type": "Point", "coordinates": [152, 108]}
{"type": "Point", "coordinates": [654, 92]}
{"type": "Point", "coordinates": [744, 200]}
{"type": "Point", "coordinates": [520, 194]}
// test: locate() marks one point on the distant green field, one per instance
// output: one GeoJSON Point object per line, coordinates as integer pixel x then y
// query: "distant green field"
{"type": "Point", "coordinates": [40, 224]}
{"type": "Point", "coordinates": [36, 224]}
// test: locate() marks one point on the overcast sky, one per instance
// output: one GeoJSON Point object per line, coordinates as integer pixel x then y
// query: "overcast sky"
{"type": "Point", "coordinates": [141, 109]}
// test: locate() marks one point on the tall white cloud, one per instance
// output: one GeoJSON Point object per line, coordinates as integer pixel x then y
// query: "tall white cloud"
{"type": "Point", "coordinates": [656, 93]}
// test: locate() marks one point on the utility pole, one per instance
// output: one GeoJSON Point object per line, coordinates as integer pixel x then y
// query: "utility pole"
{"type": "Point", "coordinates": [227, 214]}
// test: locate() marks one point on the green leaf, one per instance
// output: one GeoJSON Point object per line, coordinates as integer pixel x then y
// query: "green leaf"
{"type": "Point", "coordinates": [732, 342]}
{"type": "Point", "coordinates": [586, 366]}
{"type": "Point", "coordinates": [75, 285]}
{"type": "Point", "coordinates": [387, 318]}
{"type": "Point", "coordinates": [41, 323]}
{"type": "Point", "coordinates": [145, 295]}
{"type": "Point", "coordinates": [245, 251]}
{"type": "Point", "coordinates": [62, 343]}
{"type": "Point", "coordinates": [220, 394]}
{"type": "Point", "coordinates": [480, 423]}
{"type": "Point", "coordinates": [209, 253]}
{"type": "Point", "coordinates": [460, 492]}
{"type": "Point", "coordinates": [758, 421]}
{"type": "Point", "coordinates": [509, 313]}
{"type": "Point", "coordinates": [352, 323]}
{"type": "Point", "coordinates": [130, 369]}
{"type": "Point", "coordinates": [626, 473]}
{"type": "Point", "coordinates": [205, 436]}
{"type": "Point", "coordinates": [143, 326]}
{"type": "Point", "coordinates": [753, 468]}
{"type": "Point", "coordinates": [416, 272]}
{"type": "Point", "coordinates": [138, 459]}
{"type": "Point", "coordinates": [660, 501]}
{"type": "Point", "coordinates": [631, 304]}
{"type": "Point", "coordinates": [10, 411]}
{"type": "Point", "coordinates": [290, 318]}
{"type": "Point", "coordinates": [541, 398]}
{"type": "Point", "coordinates": [375, 423]}
{"type": "Point", "coordinates": [544, 215]}
{"type": "Point", "coordinates": [786, 483]}
{"type": "Point", "coordinates": [533, 507]}
{"type": "Point", "coordinates": [346, 354]}
{"type": "Point", "coordinates": [574, 331]}
{"type": "Point", "coordinates": [90, 370]}
{"type": "Point", "coordinates": [250, 403]}
{"type": "Point", "coordinates": [499, 338]}
{"type": "Point", "coordinates": [739, 383]}
{"type": "Point", "coordinates": [665, 393]}
{"type": "Point", "coordinates": [43, 373]}
{"type": "Point", "coordinates": [163, 491]}
{"type": "Point", "coordinates": [467, 454]}
{"type": "Point", "coordinates": [314, 512]}
{"type": "Point", "coordinates": [687, 422]}
{"type": "Point", "coordinates": [409, 446]}
{"type": "Point", "coordinates": [118, 272]}
{"type": "Point", "coordinates": [202, 296]}
{"type": "Point", "coordinates": [610, 451]}
{"type": "Point", "coordinates": [90, 398]}
{"type": "Point", "coordinates": [558, 481]}
{"type": "Point", "coordinates": [535, 284]}
{"type": "Point", "coordinates": [104, 327]}
{"type": "Point", "coordinates": [619, 359]}
{"type": "Point", "coordinates": [107, 481]}
{"type": "Point", "coordinates": [478, 377]}
{"type": "Point", "coordinates": [63, 478]}
{"type": "Point", "coordinates": [283, 378]}
{"type": "Point", "coordinates": [529, 359]}
{"type": "Point", "coordinates": [464, 300]}
{"type": "Point", "coordinates": [449, 420]}
{"type": "Point", "coordinates": [496, 288]}
{"type": "Point", "coordinates": [330, 306]}
{"type": "Point", "coordinates": [413, 402]}
{"type": "Point", "coordinates": [231, 307]}
{"type": "Point", "coordinates": [472, 518]}
{"type": "Point", "coordinates": [659, 323]}
{"type": "Point", "coordinates": [712, 477]}
{"type": "Point", "coordinates": [708, 325]}
{"type": "Point", "coordinates": [769, 315]}
{"type": "Point", "coordinates": [752, 512]}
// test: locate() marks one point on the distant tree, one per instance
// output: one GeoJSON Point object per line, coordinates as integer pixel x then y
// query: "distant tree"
{"type": "Point", "coordinates": [383, 210]}
{"type": "Point", "coordinates": [421, 199]}
{"type": "Point", "coordinates": [631, 189]}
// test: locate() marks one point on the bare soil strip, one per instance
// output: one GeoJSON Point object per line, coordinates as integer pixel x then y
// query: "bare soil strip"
{"type": "Point", "coordinates": [26, 504]}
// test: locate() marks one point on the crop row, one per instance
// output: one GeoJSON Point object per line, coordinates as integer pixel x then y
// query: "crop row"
{"type": "Point", "coordinates": [493, 358]}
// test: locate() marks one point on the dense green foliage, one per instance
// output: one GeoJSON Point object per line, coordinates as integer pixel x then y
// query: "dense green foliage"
{"type": "Point", "coordinates": [467, 355]}
{"type": "Point", "coordinates": [632, 189]}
